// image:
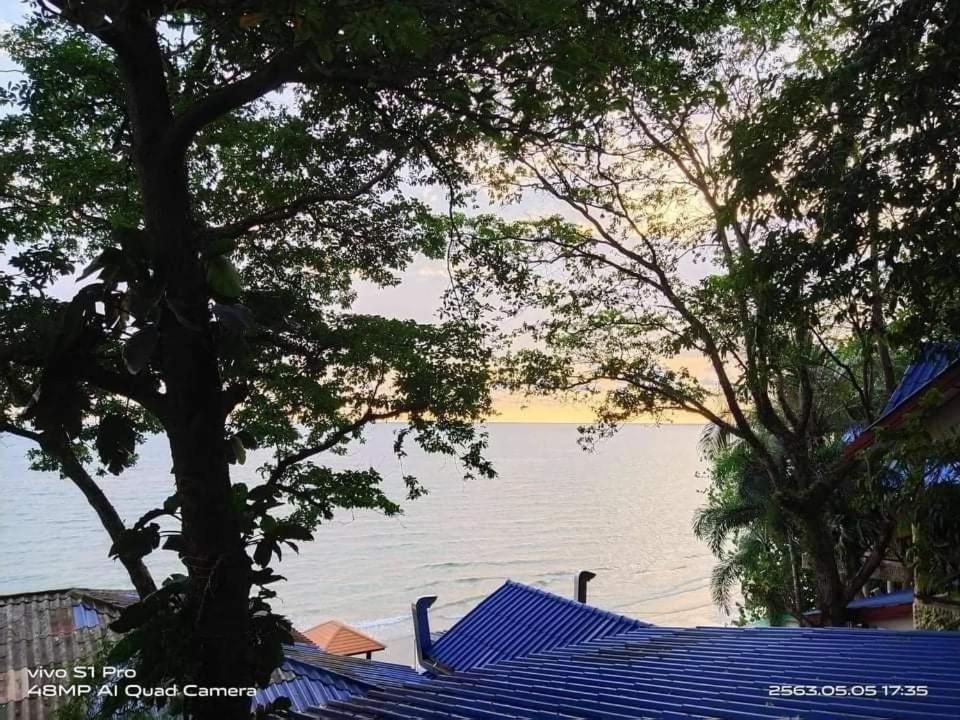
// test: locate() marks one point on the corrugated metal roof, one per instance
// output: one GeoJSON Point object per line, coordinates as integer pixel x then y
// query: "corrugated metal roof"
{"type": "Point", "coordinates": [932, 360]}
{"type": "Point", "coordinates": [901, 597]}
{"type": "Point", "coordinates": [686, 673]}
{"type": "Point", "coordinates": [56, 628]}
{"type": "Point", "coordinates": [341, 639]}
{"type": "Point", "coordinates": [66, 628]}
{"type": "Point", "coordinates": [307, 686]}
{"type": "Point", "coordinates": [85, 616]}
{"type": "Point", "coordinates": [880, 600]}
{"type": "Point", "coordinates": [370, 672]}
{"type": "Point", "coordinates": [311, 677]}
{"type": "Point", "coordinates": [518, 620]}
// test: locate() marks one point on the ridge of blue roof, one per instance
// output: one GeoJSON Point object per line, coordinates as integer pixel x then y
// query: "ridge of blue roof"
{"type": "Point", "coordinates": [901, 597]}
{"type": "Point", "coordinates": [307, 687]}
{"type": "Point", "coordinates": [375, 673]}
{"type": "Point", "coordinates": [310, 677]}
{"type": "Point", "coordinates": [517, 620]}
{"type": "Point", "coordinates": [931, 361]}
{"type": "Point", "coordinates": [687, 673]}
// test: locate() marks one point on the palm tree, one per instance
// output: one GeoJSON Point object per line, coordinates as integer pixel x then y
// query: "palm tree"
{"type": "Point", "coordinates": [747, 531]}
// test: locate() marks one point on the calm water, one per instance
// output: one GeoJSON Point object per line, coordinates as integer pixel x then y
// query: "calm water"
{"type": "Point", "coordinates": [623, 512]}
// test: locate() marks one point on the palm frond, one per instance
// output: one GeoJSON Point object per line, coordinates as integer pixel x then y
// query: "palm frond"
{"type": "Point", "coordinates": [714, 524]}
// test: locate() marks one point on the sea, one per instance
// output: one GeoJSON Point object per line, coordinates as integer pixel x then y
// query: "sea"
{"type": "Point", "coordinates": [623, 511]}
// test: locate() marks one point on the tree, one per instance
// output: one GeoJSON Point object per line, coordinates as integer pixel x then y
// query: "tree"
{"type": "Point", "coordinates": [757, 546]}
{"type": "Point", "coordinates": [224, 172]}
{"type": "Point", "coordinates": [666, 254]}
{"type": "Point", "coordinates": [863, 150]}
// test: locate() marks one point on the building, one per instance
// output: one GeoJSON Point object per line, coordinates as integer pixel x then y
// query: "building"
{"type": "Point", "coordinates": [513, 621]}
{"type": "Point", "coordinates": [341, 639]}
{"type": "Point", "coordinates": [930, 391]}
{"type": "Point", "coordinates": [541, 657]}
{"type": "Point", "coordinates": [930, 383]}
{"type": "Point", "coordinates": [311, 678]}
{"type": "Point", "coordinates": [66, 629]}
{"type": "Point", "coordinates": [526, 653]}
{"type": "Point", "coordinates": [51, 629]}
{"type": "Point", "coordinates": [889, 610]}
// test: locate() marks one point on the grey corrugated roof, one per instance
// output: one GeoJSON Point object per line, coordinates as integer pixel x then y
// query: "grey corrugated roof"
{"type": "Point", "coordinates": [55, 628]}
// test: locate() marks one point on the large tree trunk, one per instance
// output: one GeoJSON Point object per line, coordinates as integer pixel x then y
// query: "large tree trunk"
{"type": "Point", "coordinates": [217, 562]}
{"type": "Point", "coordinates": [217, 603]}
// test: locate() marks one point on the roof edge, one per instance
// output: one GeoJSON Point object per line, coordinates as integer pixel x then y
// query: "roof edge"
{"type": "Point", "coordinates": [570, 601]}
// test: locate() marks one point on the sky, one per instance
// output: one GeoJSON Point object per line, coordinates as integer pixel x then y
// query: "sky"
{"type": "Point", "coordinates": [418, 296]}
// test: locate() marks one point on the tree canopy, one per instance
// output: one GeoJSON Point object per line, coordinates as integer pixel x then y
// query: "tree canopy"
{"type": "Point", "coordinates": [191, 190]}
{"type": "Point", "coordinates": [773, 214]}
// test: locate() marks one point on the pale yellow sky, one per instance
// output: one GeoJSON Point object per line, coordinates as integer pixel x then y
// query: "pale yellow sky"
{"type": "Point", "coordinates": [517, 409]}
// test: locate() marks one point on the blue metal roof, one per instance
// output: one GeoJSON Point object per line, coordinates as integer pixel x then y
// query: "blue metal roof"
{"type": "Point", "coordinates": [311, 677]}
{"type": "Point", "coordinates": [307, 687]}
{"type": "Point", "coordinates": [943, 473]}
{"type": "Point", "coordinates": [687, 673]}
{"type": "Point", "coordinates": [86, 616]}
{"type": "Point", "coordinates": [369, 672]}
{"type": "Point", "coordinates": [518, 620]}
{"type": "Point", "coordinates": [933, 359]}
{"type": "Point", "coordinates": [901, 597]}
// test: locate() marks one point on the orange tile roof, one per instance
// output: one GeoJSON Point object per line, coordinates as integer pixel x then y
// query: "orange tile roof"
{"type": "Point", "coordinates": [340, 639]}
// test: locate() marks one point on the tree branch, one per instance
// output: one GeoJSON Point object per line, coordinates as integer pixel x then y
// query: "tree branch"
{"type": "Point", "coordinates": [290, 209]}
{"type": "Point", "coordinates": [335, 438]}
{"type": "Point", "coordinates": [57, 446]}
{"type": "Point", "coordinates": [128, 386]}
{"type": "Point", "coordinates": [20, 432]}
{"type": "Point", "coordinates": [871, 563]}
{"type": "Point", "coordinates": [227, 98]}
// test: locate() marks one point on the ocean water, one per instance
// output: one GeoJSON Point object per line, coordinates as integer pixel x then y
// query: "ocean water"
{"type": "Point", "coordinates": [623, 512]}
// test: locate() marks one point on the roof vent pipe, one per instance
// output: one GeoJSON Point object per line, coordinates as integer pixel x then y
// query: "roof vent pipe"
{"type": "Point", "coordinates": [580, 581]}
{"type": "Point", "coordinates": [421, 635]}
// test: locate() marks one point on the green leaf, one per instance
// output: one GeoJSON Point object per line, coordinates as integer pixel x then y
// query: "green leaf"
{"type": "Point", "coordinates": [224, 278]}
{"type": "Point", "coordinates": [264, 551]}
{"type": "Point", "coordinates": [292, 531]}
{"type": "Point", "coordinates": [139, 348]}
{"type": "Point", "coordinates": [115, 442]}
{"type": "Point", "coordinates": [219, 246]}
{"type": "Point", "coordinates": [248, 439]}
{"type": "Point", "coordinates": [175, 582]}
{"type": "Point", "coordinates": [175, 543]}
{"type": "Point", "coordinates": [172, 503]}
{"type": "Point", "coordinates": [135, 543]}
{"type": "Point", "coordinates": [132, 617]}
{"type": "Point", "coordinates": [109, 258]}
{"type": "Point", "coordinates": [265, 577]}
